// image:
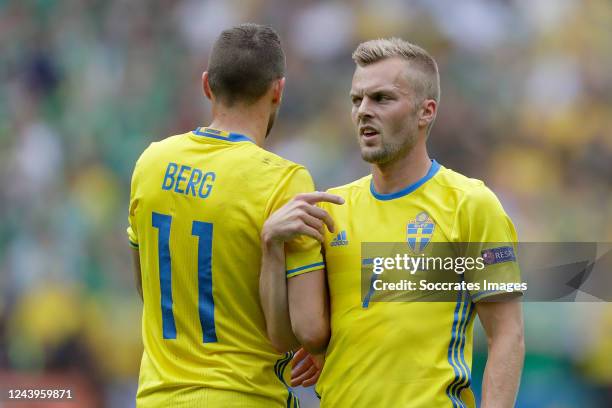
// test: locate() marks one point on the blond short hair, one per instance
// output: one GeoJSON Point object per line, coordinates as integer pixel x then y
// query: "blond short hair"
{"type": "Point", "coordinates": [427, 85]}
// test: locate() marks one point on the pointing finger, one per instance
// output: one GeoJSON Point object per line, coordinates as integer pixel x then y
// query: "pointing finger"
{"type": "Point", "coordinates": [319, 196]}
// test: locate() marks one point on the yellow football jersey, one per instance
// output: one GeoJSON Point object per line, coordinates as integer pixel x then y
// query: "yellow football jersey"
{"type": "Point", "coordinates": [198, 202]}
{"type": "Point", "coordinates": [407, 354]}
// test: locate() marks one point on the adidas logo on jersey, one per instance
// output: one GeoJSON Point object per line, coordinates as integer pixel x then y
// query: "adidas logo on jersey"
{"type": "Point", "coordinates": [340, 239]}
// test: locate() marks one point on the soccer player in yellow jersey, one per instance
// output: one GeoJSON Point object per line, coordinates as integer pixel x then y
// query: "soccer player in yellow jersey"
{"type": "Point", "coordinates": [198, 202]}
{"type": "Point", "coordinates": [408, 354]}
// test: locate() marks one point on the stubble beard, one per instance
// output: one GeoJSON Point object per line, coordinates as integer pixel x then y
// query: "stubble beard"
{"type": "Point", "coordinates": [389, 152]}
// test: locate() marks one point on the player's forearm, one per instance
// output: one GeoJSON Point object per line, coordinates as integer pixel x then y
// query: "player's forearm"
{"type": "Point", "coordinates": [273, 294]}
{"type": "Point", "coordinates": [309, 310]}
{"type": "Point", "coordinates": [503, 370]}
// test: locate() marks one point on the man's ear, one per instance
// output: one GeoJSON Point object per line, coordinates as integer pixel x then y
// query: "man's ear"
{"type": "Point", "coordinates": [427, 112]}
{"type": "Point", "coordinates": [277, 90]}
{"type": "Point", "coordinates": [206, 86]}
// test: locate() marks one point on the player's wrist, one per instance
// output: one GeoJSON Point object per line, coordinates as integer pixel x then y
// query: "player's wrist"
{"type": "Point", "coordinates": [270, 240]}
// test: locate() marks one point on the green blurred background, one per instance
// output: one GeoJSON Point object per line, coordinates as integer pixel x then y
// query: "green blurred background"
{"type": "Point", "coordinates": [86, 85]}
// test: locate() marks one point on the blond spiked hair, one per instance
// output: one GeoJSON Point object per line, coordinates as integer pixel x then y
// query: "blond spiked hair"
{"type": "Point", "coordinates": [426, 82]}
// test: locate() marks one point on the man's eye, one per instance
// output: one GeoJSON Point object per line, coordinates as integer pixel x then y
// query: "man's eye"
{"type": "Point", "coordinates": [356, 101]}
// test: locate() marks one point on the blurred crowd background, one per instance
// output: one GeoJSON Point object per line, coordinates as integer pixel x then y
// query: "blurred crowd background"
{"type": "Point", "coordinates": [86, 85]}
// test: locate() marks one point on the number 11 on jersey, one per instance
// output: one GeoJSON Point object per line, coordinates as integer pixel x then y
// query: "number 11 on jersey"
{"type": "Point", "coordinates": [206, 307]}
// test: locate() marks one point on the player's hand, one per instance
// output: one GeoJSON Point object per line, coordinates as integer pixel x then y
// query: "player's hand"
{"type": "Point", "coordinates": [306, 368]}
{"type": "Point", "coordinates": [300, 216]}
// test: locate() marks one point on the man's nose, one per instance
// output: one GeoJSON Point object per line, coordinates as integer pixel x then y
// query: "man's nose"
{"type": "Point", "coordinates": [365, 109]}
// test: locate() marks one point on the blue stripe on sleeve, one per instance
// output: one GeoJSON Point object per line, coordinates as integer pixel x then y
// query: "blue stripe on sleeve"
{"type": "Point", "coordinates": [301, 268]}
{"type": "Point", "coordinates": [459, 347]}
{"type": "Point", "coordinates": [461, 352]}
{"type": "Point", "coordinates": [451, 346]}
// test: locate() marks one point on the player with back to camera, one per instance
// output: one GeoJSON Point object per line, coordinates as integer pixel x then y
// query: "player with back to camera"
{"type": "Point", "coordinates": [406, 354]}
{"type": "Point", "coordinates": [198, 202]}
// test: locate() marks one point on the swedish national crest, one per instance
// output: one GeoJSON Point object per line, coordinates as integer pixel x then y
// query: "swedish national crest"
{"type": "Point", "coordinates": [419, 232]}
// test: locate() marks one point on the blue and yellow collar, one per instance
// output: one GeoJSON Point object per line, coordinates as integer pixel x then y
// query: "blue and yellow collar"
{"type": "Point", "coordinates": [221, 135]}
{"type": "Point", "coordinates": [435, 166]}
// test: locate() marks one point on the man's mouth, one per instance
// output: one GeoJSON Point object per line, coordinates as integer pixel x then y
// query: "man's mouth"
{"type": "Point", "coordinates": [367, 132]}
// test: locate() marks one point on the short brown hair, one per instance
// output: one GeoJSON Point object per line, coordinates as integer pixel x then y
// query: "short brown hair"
{"type": "Point", "coordinates": [428, 86]}
{"type": "Point", "coordinates": [243, 62]}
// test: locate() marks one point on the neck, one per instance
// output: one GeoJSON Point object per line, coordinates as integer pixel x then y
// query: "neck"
{"type": "Point", "coordinates": [399, 174]}
{"type": "Point", "coordinates": [250, 121]}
